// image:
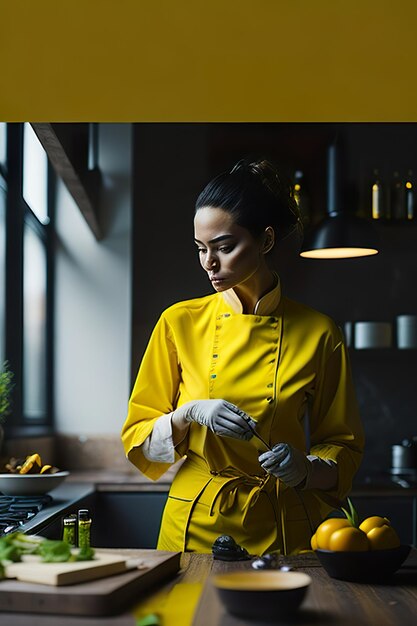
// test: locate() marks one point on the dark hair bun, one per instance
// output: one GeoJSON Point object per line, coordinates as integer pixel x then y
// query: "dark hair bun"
{"type": "Point", "coordinates": [254, 194]}
{"type": "Point", "coordinates": [265, 171]}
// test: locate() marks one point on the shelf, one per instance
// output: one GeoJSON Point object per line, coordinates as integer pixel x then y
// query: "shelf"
{"type": "Point", "coordinates": [392, 350]}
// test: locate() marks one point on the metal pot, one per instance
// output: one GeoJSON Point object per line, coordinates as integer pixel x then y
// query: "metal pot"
{"type": "Point", "coordinates": [404, 456]}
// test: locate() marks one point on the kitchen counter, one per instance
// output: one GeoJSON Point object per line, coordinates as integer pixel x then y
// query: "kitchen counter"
{"type": "Point", "coordinates": [84, 489]}
{"type": "Point", "coordinates": [329, 601]}
{"type": "Point", "coordinates": [103, 479]}
{"type": "Point", "coordinates": [81, 484]}
{"type": "Point", "coordinates": [64, 500]}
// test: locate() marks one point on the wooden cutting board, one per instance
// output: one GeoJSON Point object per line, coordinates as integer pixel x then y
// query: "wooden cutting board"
{"type": "Point", "coordinates": [33, 570]}
{"type": "Point", "coordinates": [105, 596]}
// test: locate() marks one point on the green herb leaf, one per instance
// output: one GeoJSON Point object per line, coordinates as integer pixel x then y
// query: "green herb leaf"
{"type": "Point", "coordinates": [85, 554]}
{"type": "Point", "coordinates": [6, 388]}
{"type": "Point", "coordinates": [10, 553]}
{"type": "Point", "coordinates": [53, 551]}
{"type": "Point", "coordinates": [352, 514]}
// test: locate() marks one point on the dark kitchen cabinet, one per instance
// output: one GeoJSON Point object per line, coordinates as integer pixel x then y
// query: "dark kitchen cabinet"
{"type": "Point", "coordinates": [120, 519]}
{"type": "Point", "coordinates": [128, 520]}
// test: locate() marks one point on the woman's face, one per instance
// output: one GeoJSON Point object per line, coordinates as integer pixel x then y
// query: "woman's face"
{"type": "Point", "coordinates": [228, 252]}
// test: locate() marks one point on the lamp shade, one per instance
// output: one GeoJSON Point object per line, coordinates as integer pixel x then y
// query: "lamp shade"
{"type": "Point", "coordinates": [341, 234]}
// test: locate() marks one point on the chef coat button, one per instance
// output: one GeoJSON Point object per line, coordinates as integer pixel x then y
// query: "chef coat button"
{"type": "Point", "coordinates": [270, 399]}
{"type": "Point", "coordinates": [215, 356]}
{"type": "Point", "coordinates": [272, 319]}
{"type": "Point", "coordinates": [227, 315]}
{"type": "Point", "coordinates": [213, 376]}
{"type": "Point", "coordinates": [270, 384]}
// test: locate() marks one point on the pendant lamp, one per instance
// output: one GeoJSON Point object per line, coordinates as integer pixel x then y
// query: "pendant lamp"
{"type": "Point", "coordinates": [341, 234]}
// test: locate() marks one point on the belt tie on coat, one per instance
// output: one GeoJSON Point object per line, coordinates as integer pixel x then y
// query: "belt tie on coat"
{"type": "Point", "coordinates": [227, 493]}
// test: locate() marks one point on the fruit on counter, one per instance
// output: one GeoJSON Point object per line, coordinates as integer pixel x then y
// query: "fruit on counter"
{"type": "Point", "coordinates": [32, 464]}
{"type": "Point", "coordinates": [374, 521]}
{"type": "Point", "coordinates": [348, 539]}
{"type": "Point", "coordinates": [326, 530]}
{"type": "Point", "coordinates": [381, 535]}
{"type": "Point", "coordinates": [341, 534]}
{"type": "Point", "coordinates": [383, 538]}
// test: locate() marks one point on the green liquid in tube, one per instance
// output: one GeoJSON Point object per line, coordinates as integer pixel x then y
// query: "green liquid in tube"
{"type": "Point", "coordinates": [69, 525]}
{"type": "Point", "coordinates": [84, 535]}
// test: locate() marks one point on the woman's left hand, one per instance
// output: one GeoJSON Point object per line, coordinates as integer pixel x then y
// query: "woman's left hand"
{"type": "Point", "coordinates": [286, 463]}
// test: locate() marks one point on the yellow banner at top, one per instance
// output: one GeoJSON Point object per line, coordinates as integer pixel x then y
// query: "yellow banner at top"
{"type": "Point", "coordinates": [208, 60]}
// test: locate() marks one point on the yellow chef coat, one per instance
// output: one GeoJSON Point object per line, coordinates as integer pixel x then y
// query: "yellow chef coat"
{"type": "Point", "coordinates": [272, 367]}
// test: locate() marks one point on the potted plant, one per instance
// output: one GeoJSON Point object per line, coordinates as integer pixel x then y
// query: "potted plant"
{"type": "Point", "coordinates": [6, 387]}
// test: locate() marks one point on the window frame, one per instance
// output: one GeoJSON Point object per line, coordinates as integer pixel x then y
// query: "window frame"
{"type": "Point", "coordinates": [3, 190]}
{"type": "Point", "coordinates": [18, 213]}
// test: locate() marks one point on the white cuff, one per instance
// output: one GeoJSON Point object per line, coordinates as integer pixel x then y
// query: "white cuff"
{"type": "Point", "coordinates": [159, 446]}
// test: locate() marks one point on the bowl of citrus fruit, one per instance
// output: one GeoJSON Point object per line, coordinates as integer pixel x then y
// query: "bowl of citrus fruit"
{"type": "Point", "coordinates": [360, 551]}
{"type": "Point", "coordinates": [29, 477]}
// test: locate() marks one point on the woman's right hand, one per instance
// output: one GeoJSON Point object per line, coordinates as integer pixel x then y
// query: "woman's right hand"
{"type": "Point", "coordinates": [221, 417]}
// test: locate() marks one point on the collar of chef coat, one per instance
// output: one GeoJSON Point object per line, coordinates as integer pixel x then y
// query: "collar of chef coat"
{"type": "Point", "coordinates": [266, 305]}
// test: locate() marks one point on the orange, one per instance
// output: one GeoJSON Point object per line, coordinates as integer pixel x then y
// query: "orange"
{"type": "Point", "coordinates": [349, 539]}
{"type": "Point", "coordinates": [373, 522]}
{"type": "Point", "coordinates": [327, 528]}
{"type": "Point", "coordinates": [313, 542]}
{"type": "Point", "coordinates": [383, 538]}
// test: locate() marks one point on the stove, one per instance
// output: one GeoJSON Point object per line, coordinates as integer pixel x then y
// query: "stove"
{"type": "Point", "coordinates": [17, 510]}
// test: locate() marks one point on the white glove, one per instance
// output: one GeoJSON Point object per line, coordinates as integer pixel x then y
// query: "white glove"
{"type": "Point", "coordinates": [286, 463]}
{"type": "Point", "coordinates": [221, 417]}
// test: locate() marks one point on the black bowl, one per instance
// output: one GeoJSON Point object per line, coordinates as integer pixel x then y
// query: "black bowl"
{"type": "Point", "coordinates": [262, 595]}
{"type": "Point", "coordinates": [368, 566]}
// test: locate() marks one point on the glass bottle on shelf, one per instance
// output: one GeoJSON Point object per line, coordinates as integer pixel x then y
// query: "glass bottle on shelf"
{"type": "Point", "coordinates": [377, 197]}
{"type": "Point", "coordinates": [301, 196]}
{"type": "Point", "coordinates": [397, 198]}
{"type": "Point", "coordinates": [409, 196]}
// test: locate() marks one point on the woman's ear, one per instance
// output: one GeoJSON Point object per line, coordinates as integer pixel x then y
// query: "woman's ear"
{"type": "Point", "coordinates": [269, 239]}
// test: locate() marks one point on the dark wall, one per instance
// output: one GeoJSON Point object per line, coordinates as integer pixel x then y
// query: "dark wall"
{"type": "Point", "coordinates": [172, 162]}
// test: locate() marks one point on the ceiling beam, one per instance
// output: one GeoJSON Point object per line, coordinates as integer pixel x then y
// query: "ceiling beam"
{"type": "Point", "coordinates": [67, 149]}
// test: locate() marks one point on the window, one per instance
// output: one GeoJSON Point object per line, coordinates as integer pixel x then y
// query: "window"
{"type": "Point", "coordinates": [2, 268]}
{"type": "Point", "coordinates": [27, 271]}
{"type": "Point", "coordinates": [34, 324]}
{"type": "Point", "coordinates": [3, 146]}
{"type": "Point", "coordinates": [35, 174]}
{"type": "Point", "coordinates": [3, 143]}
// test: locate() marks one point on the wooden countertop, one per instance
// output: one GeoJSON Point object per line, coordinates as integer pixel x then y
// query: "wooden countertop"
{"type": "Point", "coordinates": [329, 602]}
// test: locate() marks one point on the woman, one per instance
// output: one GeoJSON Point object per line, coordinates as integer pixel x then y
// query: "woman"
{"type": "Point", "coordinates": [252, 388]}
